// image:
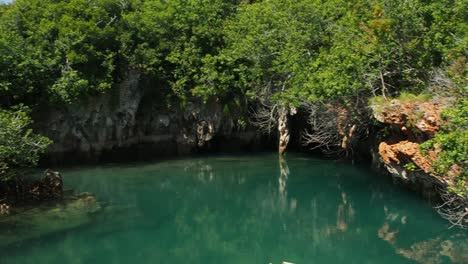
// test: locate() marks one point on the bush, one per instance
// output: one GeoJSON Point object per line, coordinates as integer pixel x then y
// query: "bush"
{"type": "Point", "coordinates": [19, 146]}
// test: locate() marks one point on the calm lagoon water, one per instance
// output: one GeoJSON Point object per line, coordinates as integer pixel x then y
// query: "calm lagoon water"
{"type": "Point", "coordinates": [245, 209]}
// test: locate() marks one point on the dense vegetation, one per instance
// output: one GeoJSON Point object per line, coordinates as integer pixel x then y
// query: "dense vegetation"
{"type": "Point", "coordinates": [319, 50]}
{"type": "Point", "coordinates": [19, 146]}
{"type": "Point", "coordinates": [291, 53]}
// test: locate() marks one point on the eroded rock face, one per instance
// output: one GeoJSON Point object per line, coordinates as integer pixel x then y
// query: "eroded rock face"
{"type": "Point", "coordinates": [403, 152]}
{"type": "Point", "coordinates": [129, 116]}
{"type": "Point", "coordinates": [98, 123]}
{"type": "Point", "coordinates": [410, 124]}
{"type": "Point", "coordinates": [423, 116]}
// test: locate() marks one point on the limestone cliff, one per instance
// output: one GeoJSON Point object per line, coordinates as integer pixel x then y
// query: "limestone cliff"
{"type": "Point", "coordinates": [132, 120]}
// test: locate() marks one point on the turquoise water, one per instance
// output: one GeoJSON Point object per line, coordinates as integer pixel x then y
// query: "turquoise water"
{"type": "Point", "coordinates": [245, 209]}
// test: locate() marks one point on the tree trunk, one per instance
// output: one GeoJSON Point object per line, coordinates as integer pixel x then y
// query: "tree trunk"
{"type": "Point", "coordinates": [283, 130]}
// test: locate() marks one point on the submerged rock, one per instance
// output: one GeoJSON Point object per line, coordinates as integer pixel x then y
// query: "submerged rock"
{"type": "Point", "coordinates": [48, 188]}
{"type": "Point", "coordinates": [4, 209]}
{"type": "Point", "coordinates": [29, 223]}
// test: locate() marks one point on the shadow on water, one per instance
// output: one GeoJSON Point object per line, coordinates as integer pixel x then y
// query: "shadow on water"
{"type": "Point", "coordinates": [246, 209]}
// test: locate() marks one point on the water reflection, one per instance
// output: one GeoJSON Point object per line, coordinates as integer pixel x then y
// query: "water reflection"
{"type": "Point", "coordinates": [432, 250]}
{"type": "Point", "coordinates": [248, 210]}
{"type": "Point", "coordinates": [284, 204]}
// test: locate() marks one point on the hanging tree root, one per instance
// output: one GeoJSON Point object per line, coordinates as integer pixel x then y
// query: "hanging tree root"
{"type": "Point", "coordinates": [334, 128]}
{"type": "Point", "coordinates": [454, 208]}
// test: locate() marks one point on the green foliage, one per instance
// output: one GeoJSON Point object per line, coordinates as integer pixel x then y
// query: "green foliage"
{"type": "Point", "coordinates": [229, 50]}
{"type": "Point", "coordinates": [337, 50]}
{"type": "Point", "coordinates": [19, 146]}
{"type": "Point", "coordinates": [378, 103]}
{"type": "Point", "coordinates": [409, 97]}
{"type": "Point", "coordinates": [173, 40]}
{"type": "Point", "coordinates": [452, 142]}
{"type": "Point", "coordinates": [242, 123]}
{"type": "Point", "coordinates": [410, 166]}
{"type": "Point", "coordinates": [58, 49]}
{"type": "Point", "coordinates": [460, 188]}
{"type": "Point", "coordinates": [69, 86]}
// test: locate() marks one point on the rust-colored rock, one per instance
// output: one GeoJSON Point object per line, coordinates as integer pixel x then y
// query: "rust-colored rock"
{"type": "Point", "coordinates": [404, 150]}
{"type": "Point", "coordinates": [424, 116]}
{"type": "Point", "coordinates": [413, 123]}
